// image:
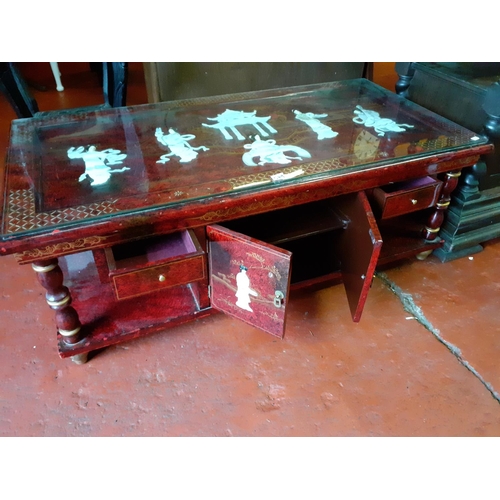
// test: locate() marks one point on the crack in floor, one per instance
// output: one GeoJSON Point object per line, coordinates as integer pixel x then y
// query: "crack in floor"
{"type": "Point", "coordinates": [412, 308]}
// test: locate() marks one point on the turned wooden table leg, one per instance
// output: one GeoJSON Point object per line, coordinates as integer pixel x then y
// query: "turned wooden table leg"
{"type": "Point", "coordinates": [435, 221]}
{"type": "Point", "coordinates": [58, 298]}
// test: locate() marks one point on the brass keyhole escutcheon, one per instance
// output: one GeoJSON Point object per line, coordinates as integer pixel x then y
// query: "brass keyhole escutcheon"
{"type": "Point", "coordinates": [161, 278]}
{"type": "Point", "coordinates": [278, 298]}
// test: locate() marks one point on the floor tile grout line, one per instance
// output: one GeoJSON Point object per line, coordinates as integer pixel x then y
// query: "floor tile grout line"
{"type": "Point", "coordinates": [410, 306]}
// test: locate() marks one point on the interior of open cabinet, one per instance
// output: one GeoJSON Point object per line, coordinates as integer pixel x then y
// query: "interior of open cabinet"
{"type": "Point", "coordinates": [336, 235]}
{"type": "Point", "coordinates": [308, 231]}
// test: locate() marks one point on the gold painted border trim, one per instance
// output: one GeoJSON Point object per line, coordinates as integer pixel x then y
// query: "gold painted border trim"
{"type": "Point", "coordinates": [61, 248]}
{"type": "Point", "coordinates": [21, 214]}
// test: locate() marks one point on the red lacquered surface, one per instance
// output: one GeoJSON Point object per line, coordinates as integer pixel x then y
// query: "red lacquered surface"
{"type": "Point", "coordinates": [53, 206]}
{"type": "Point", "coordinates": [151, 264]}
{"type": "Point", "coordinates": [402, 198]}
{"type": "Point", "coordinates": [358, 248]}
{"type": "Point", "coordinates": [107, 321]}
{"type": "Point", "coordinates": [44, 190]}
{"type": "Point", "coordinates": [245, 275]}
{"type": "Point", "coordinates": [159, 277]}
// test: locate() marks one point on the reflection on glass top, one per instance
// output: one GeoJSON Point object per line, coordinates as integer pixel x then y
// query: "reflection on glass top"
{"type": "Point", "coordinates": [127, 159]}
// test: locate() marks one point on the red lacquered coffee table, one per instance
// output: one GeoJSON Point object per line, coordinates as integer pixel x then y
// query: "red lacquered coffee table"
{"type": "Point", "coordinates": [139, 218]}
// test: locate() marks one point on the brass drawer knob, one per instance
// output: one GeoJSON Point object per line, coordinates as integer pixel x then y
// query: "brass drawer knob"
{"type": "Point", "coordinates": [161, 278]}
{"type": "Point", "coordinates": [413, 202]}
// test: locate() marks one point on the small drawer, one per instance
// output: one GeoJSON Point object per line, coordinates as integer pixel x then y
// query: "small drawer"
{"type": "Point", "coordinates": [153, 264]}
{"type": "Point", "coordinates": [404, 197]}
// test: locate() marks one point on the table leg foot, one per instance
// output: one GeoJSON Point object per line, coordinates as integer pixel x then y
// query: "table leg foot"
{"type": "Point", "coordinates": [423, 255]}
{"type": "Point", "coordinates": [80, 359]}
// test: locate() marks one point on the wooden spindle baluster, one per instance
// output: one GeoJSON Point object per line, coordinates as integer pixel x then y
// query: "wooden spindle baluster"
{"type": "Point", "coordinates": [431, 230]}
{"type": "Point", "coordinates": [435, 221]}
{"type": "Point", "coordinates": [58, 298]}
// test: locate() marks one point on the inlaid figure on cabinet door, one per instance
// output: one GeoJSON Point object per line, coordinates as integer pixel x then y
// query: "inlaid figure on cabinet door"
{"type": "Point", "coordinates": [244, 291]}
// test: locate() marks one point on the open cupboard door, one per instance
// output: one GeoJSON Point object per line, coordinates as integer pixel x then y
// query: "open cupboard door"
{"type": "Point", "coordinates": [249, 279]}
{"type": "Point", "coordinates": [358, 248]}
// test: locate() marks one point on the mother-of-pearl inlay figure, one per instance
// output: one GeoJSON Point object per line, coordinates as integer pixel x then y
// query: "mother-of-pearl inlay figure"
{"type": "Point", "coordinates": [244, 291]}
{"type": "Point", "coordinates": [381, 125]}
{"type": "Point", "coordinates": [230, 119]}
{"type": "Point", "coordinates": [178, 144]}
{"type": "Point", "coordinates": [97, 163]}
{"type": "Point", "coordinates": [311, 119]}
{"type": "Point", "coordinates": [270, 152]}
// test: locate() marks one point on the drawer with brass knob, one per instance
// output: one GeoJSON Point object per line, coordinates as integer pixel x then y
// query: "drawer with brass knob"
{"type": "Point", "coordinates": [152, 264]}
{"type": "Point", "coordinates": [404, 197]}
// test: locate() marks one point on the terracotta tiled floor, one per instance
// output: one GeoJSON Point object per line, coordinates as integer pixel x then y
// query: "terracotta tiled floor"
{"type": "Point", "coordinates": [387, 376]}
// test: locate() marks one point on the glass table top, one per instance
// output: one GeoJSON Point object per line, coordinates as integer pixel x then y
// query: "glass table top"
{"type": "Point", "coordinates": [93, 164]}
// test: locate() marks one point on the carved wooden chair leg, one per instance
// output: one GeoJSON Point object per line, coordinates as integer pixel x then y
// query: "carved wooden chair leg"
{"type": "Point", "coordinates": [58, 298]}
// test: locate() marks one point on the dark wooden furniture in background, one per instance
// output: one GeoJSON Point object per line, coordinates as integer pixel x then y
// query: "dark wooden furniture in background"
{"type": "Point", "coordinates": [468, 94]}
{"type": "Point", "coordinates": [12, 84]}
{"type": "Point", "coordinates": [167, 81]}
{"type": "Point", "coordinates": [170, 233]}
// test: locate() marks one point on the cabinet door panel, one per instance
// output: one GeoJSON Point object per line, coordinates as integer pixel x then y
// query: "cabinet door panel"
{"type": "Point", "coordinates": [249, 279]}
{"type": "Point", "coordinates": [358, 248]}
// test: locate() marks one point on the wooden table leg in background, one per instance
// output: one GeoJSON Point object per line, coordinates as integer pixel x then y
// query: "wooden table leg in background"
{"type": "Point", "coordinates": [58, 297]}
